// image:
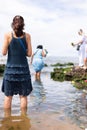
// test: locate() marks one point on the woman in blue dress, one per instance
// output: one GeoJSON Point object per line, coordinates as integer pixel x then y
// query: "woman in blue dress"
{"type": "Point", "coordinates": [37, 61]}
{"type": "Point", "coordinates": [17, 78]}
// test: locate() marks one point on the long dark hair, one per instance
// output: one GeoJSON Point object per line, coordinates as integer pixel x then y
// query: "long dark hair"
{"type": "Point", "coordinates": [18, 25]}
{"type": "Point", "coordinates": [39, 47]}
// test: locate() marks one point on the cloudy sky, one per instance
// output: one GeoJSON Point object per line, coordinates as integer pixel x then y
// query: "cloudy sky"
{"type": "Point", "coordinates": [52, 23]}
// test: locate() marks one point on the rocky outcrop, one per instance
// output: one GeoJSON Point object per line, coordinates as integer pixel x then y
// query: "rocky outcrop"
{"type": "Point", "coordinates": [77, 76]}
{"type": "Point", "coordinates": [2, 67]}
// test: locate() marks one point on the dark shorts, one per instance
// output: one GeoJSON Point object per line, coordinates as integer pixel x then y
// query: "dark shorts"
{"type": "Point", "coordinates": [11, 88]}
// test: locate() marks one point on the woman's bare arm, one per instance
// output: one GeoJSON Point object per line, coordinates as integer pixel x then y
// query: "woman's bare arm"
{"type": "Point", "coordinates": [6, 44]}
{"type": "Point", "coordinates": [29, 47]}
{"type": "Point", "coordinates": [43, 53]}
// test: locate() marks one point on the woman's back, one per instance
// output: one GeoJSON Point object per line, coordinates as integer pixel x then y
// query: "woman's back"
{"type": "Point", "coordinates": [38, 53]}
{"type": "Point", "coordinates": [16, 53]}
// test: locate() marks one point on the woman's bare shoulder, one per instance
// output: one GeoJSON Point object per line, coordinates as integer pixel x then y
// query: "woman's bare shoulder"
{"type": "Point", "coordinates": [28, 35]}
{"type": "Point", "coordinates": [8, 35]}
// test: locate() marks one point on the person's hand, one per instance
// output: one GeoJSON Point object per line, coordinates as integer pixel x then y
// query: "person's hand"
{"type": "Point", "coordinates": [72, 44]}
{"type": "Point", "coordinates": [46, 51]}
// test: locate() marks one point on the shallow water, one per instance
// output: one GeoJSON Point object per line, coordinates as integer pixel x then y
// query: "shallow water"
{"type": "Point", "coordinates": [52, 96]}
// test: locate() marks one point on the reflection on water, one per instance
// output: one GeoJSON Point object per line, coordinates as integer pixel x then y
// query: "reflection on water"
{"type": "Point", "coordinates": [14, 122]}
{"type": "Point", "coordinates": [77, 110]}
{"type": "Point", "coordinates": [38, 94]}
{"type": "Point", "coordinates": [38, 83]}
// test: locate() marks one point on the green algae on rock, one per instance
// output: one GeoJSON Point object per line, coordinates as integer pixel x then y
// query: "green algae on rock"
{"type": "Point", "coordinates": [2, 67]}
{"type": "Point", "coordinates": [77, 76]}
{"type": "Point", "coordinates": [65, 64]}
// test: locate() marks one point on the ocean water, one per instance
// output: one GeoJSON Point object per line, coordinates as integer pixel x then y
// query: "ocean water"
{"type": "Point", "coordinates": [61, 59]}
{"type": "Point", "coordinates": [50, 59]}
{"type": "Point", "coordinates": [52, 96]}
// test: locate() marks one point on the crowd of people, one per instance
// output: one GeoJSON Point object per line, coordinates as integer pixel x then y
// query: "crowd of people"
{"type": "Point", "coordinates": [82, 49]}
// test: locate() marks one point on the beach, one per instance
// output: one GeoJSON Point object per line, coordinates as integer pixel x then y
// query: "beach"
{"type": "Point", "coordinates": [52, 105]}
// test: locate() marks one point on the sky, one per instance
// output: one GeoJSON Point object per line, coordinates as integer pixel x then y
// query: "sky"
{"type": "Point", "coordinates": [51, 23]}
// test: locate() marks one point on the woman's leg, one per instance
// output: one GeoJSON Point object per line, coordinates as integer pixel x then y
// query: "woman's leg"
{"type": "Point", "coordinates": [81, 58]}
{"type": "Point", "coordinates": [7, 101]}
{"type": "Point", "coordinates": [7, 105]}
{"type": "Point", "coordinates": [37, 75]}
{"type": "Point", "coordinates": [23, 105]}
{"type": "Point", "coordinates": [85, 59]}
{"type": "Point", "coordinates": [85, 62]}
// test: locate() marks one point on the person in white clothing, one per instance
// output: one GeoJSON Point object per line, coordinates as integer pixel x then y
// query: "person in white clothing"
{"type": "Point", "coordinates": [83, 49]}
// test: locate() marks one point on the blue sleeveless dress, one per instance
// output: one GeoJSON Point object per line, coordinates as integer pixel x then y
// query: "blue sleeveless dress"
{"type": "Point", "coordinates": [38, 62]}
{"type": "Point", "coordinates": [17, 78]}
